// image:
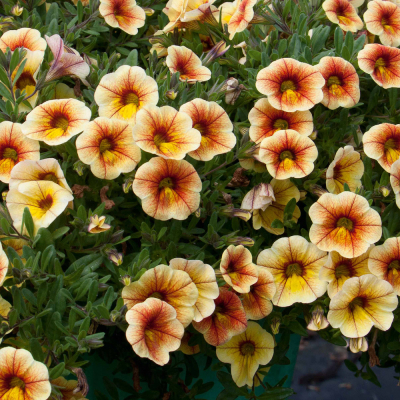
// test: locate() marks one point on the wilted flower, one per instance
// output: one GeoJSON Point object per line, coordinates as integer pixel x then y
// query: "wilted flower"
{"type": "Point", "coordinates": [240, 240]}
{"type": "Point", "coordinates": [363, 302]}
{"type": "Point", "coordinates": [97, 224]}
{"type": "Point", "coordinates": [68, 389]}
{"type": "Point", "coordinates": [233, 90]}
{"type": "Point", "coordinates": [358, 344]}
{"type": "Point", "coordinates": [259, 198]}
{"type": "Point", "coordinates": [343, 13]}
{"type": "Point", "coordinates": [318, 320]}
{"type": "Point", "coordinates": [395, 180]}
{"type": "Point", "coordinates": [246, 352]}
{"type": "Point", "coordinates": [26, 38]}
{"type": "Point", "coordinates": [17, 10]}
{"type": "Point", "coordinates": [186, 348]}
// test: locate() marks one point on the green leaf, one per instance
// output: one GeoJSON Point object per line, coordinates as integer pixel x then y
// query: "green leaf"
{"type": "Point", "coordinates": [338, 41]}
{"type": "Point", "coordinates": [298, 328]}
{"type": "Point", "coordinates": [276, 394]}
{"type": "Point", "coordinates": [36, 350]}
{"type": "Point", "coordinates": [27, 221]}
{"type": "Point", "coordinates": [57, 371]}
{"type": "Point", "coordinates": [351, 366]}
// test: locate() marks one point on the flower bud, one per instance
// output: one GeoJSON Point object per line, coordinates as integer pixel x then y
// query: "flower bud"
{"type": "Point", "coordinates": [313, 135]}
{"type": "Point", "coordinates": [358, 344]}
{"type": "Point", "coordinates": [217, 51]}
{"type": "Point", "coordinates": [171, 94]}
{"type": "Point", "coordinates": [4, 195]}
{"type": "Point", "coordinates": [275, 324]}
{"type": "Point", "coordinates": [230, 212]}
{"type": "Point", "coordinates": [241, 240]}
{"type": "Point", "coordinates": [148, 11]}
{"type": "Point", "coordinates": [126, 280]}
{"type": "Point", "coordinates": [115, 257]}
{"type": "Point", "coordinates": [97, 224]}
{"type": "Point", "coordinates": [17, 10]}
{"type": "Point", "coordinates": [318, 320]}
{"type": "Point", "coordinates": [79, 167]}
{"type": "Point", "coordinates": [385, 191]}
{"type": "Point", "coordinates": [316, 189]}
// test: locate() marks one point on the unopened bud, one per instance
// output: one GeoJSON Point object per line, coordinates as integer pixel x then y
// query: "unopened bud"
{"type": "Point", "coordinates": [217, 51]}
{"type": "Point", "coordinates": [318, 320]}
{"type": "Point", "coordinates": [17, 10]}
{"type": "Point", "coordinates": [275, 324]}
{"type": "Point", "coordinates": [314, 135]}
{"type": "Point", "coordinates": [126, 280]}
{"type": "Point", "coordinates": [231, 212]}
{"type": "Point", "coordinates": [127, 185]}
{"type": "Point", "coordinates": [114, 316]}
{"type": "Point", "coordinates": [4, 195]}
{"type": "Point", "coordinates": [171, 94]}
{"type": "Point", "coordinates": [115, 257]}
{"type": "Point", "coordinates": [316, 189]}
{"type": "Point", "coordinates": [303, 195]}
{"type": "Point", "coordinates": [241, 240]}
{"type": "Point", "coordinates": [358, 344]}
{"type": "Point", "coordinates": [385, 191]}
{"type": "Point", "coordinates": [148, 11]}
{"type": "Point", "coordinates": [79, 167]}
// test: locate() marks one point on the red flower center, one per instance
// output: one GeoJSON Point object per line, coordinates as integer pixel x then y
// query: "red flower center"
{"type": "Point", "coordinates": [287, 154]}
{"type": "Point", "coordinates": [16, 382]}
{"type": "Point", "coordinates": [358, 302]}
{"type": "Point", "coordinates": [105, 145]}
{"type": "Point", "coordinates": [345, 223]}
{"type": "Point", "coordinates": [294, 269]}
{"type": "Point", "coordinates": [280, 124]}
{"type": "Point", "coordinates": [166, 183]}
{"type": "Point", "coordinates": [395, 264]}
{"type": "Point", "coordinates": [48, 176]}
{"type": "Point", "coordinates": [26, 79]}
{"type": "Point", "coordinates": [46, 203]}
{"type": "Point", "coordinates": [334, 80]}
{"type": "Point", "coordinates": [131, 98]}
{"type": "Point", "coordinates": [60, 122]}
{"type": "Point", "coordinates": [10, 153]}
{"type": "Point", "coordinates": [391, 144]}
{"type": "Point", "coordinates": [157, 295]}
{"type": "Point", "coordinates": [288, 85]}
{"type": "Point", "coordinates": [380, 63]}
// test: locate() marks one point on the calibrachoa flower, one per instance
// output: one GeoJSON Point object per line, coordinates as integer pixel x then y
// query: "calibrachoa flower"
{"type": "Point", "coordinates": [342, 85]}
{"type": "Point", "coordinates": [173, 286]}
{"type": "Point", "coordinates": [97, 224]}
{"type": "Point", "coordinates": [346, 167]}
{"type": "Point", "coordinates": [345, 223]}
{"type": "Point", "coordinates": [108, 147]}
{"type": "Point", "coordinates": [214, 125]}
{"type": "Point", "coordinates": [124, 92]}
{"type": "Point", "coordinates": [395, 180]}
{"type": "Point", "coordinates": [67, 389]}
{"type": "Point", "coordinates": [246, 352]}
{"type": "Point", "coordinates": [284, 191]}
{"type": "Point", "coordinates": [363, 302]}
{"type": "Point", "coordinates": [343, 13]}
{"type": "Point", "coordinates": [259, 198]}
{"type": "Point", "coordinates": [15, 148]}
{"type": "Point", "coordinates": [123, 14]}
{"type": "Point", "coordinates": [384, 262]}
{"type": "Point", "coordinates": [265, 120]}
{"type": "Point", "coordinates": [295, 265]}
{"type": "Point", "coordinates": [168, 188]}
{"type": "Point", "coordinates": [183, 60]}
{"type": "Point", "coordinates": [257, 303]}
{"type": "Point", "coordinates": [287, 154]}
{"type": "Point", "coordinates": [44, 170]}
{"type": "Point", "coordinates": [237, 268]}
{"type": "Point", "coordinates": [291, 85]}
{"type": "Point", "coordinates": [318, 320]}
{"type": "Point", "coordinates": [382, 63]}
{"type": "Point", "coordinates": [45, 200]}
{"type": "Point", "coordinates": [338, 269]}
{"type": "Point", "coordinates": [3, 263]}
{"type": "Point", "coordinates": [21, 377]}
{"type": "Point", "coordinates": [228, 319]}
{"type": "Point", "coordinates": [56, 121]}
{"type": "Point", "coordinates": [186, 348]}
{"type": "Point", "coordinates": [203, 276]}
{"type": "Point", "coordinates": [165, 132]}
{"type": "Point", "coordinates": [26, 38]}
{"type": "Point", "coordinates": [358, 344]}
{"type": "Point", "coordinates": [382, 143]}
{"type": "Point", "coordinates": [383, 19]}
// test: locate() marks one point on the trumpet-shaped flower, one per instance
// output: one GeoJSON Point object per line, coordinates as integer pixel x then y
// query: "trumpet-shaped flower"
{"type": "Point", "coordinates": [284, 191]}
{"type": "Point", "coordinates": [3, 264]}
{"type": "Point", "coordinates": [154, 330]}
{"type": "Point", "coordinates": [346, 167]}
{"type": "Point", "coordinates": [395, 180]}
{"type": "Point", "coordinates": [291, 85]}
{"type": "Point", "coordinates": [382, 143]}
{"type": "Point", "coordinates": [228, 319]}
{"type": "Point", "coordinates": [257, 303]}
{"type": "Point", "coordinates": [97, 224]}
{"type": "Point", "coordinates": [15, 148]}
{"type": "Point", "coordinates": [124, 92]}
{"type": "Point", "coordinates": [45, 200]}
{"type": "Point", "coordinates": [342, 85]}
{"type": "Point", "coordinates": [246, 352]}
{"type": "Point", "coordinates": [338, 269]}
{"type": "Point", "coordinates": [363, 302]}
{"type": "Point", "coordinates": [343, 13]}
{"type": "Point", "coordinates": [203, 276]}
{"type": "Point", "coordinates": [175, 287]}
{"type": "Point", "coordinates": [26, 38]}
{"type": "Point", "coordinates": [68, 388]}
{"type": "Point", "coordinates": [382, 63]}
{"type": "Point", "coordinates": [108, 147]}
{"type": "Point", "coordinates": [259, 198]}
{"type": "Point", "coordinates": [383, 19]}
{"type": "Point", "coordinates": [214, 125]}
{"type": "Point", "coordinates": [16, 244]}
{"type": "Point", "coordinates": [165, 132]}
{"type": "Point", "coordinates": [265, 120]}
{"type": "Point", "coordinates": [287, 154]}
{"type": "Point", "coordinates": [123, 14]}
{"type": "Point", "coordinates": [56, 121]}
{"type": "Point", "coordinates": [345, 223]}
{"type": "Point", "coordinates": [168, 188]}
{"type": "Point", "coordinates": [295, 265]}
{"type": "Point", "coordinates": [183, 60]}
{"type": "Point", "coordinates": [237, 268]}
{"type": "Point", "coordinates": [21, 377]}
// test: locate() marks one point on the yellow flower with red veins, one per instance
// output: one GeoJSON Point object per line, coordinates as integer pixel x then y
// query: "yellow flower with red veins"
{"type": "Point", "coordinates": [295, 265]}
{"type": "Point", "coordinates": [345, 223]}
{"type": "Point", "coordinates": [170, 285]}
{"type": "Point", "coordinates": [343, 13]}
{"type": "Point", "coordinates": [108, 147]}
{"type": "Point", "coordinates": [287, 154]}
{"type": "Point", "coordinates": [168, 188]}
{"type": "Point", "coordinates": [3, 264]}
{"type": "Point", "coordinates": [259, 198]}
{"type": "Point", "coordinates": [338, 269]}
{"type": "Point", "coordinates": [203, 276]}
{"type": "Point", "coordinates": [395, 180]}
{"type": "Point", "coordinates": [123, 14]}
{"type": "Point", "coordinates": [291, 85]}
{"type": "Point", "coordinates": [186, 348]}
{"type": "Point", "coordinates": [342, 85]}
{"type": "Point", "coordinates": [67, 389]}
{"type": "Point", "coordinates": [124, 92]}
{"type": "Point", "coordinates": [246, 352]}
{"type": "Point", "coordinates": [15, 148]}
{"type": "Point", "coordinates": [56, 121]}
{"type": "Point", "coordinates": [153, 330]}
{"type": "Point", "coordinates": [284, 191]}
{"type": "Point", "coordinates": [237, 268]}
{"type": "Point", "coordinates": [382, 63]}
{"type": "Point", "coordinates": [363, 302]}
{"type": "Point", "coordinates": [384, 262]}
{"type": "Point", "coordinates": [21, 377]}
{"type": "Point", "coordinates": [26, 38]}
{"type": "Point", "coordinates": [346, 167]}
{"type": "Point", "coordinates": [214, 125]}
{"type": "Point", "coordinates": [383, 19]}
{"type": "Point", "coordinates": [265, 120]}
{"type": "Point", "coordinates": [183, 60]}
{"type": "Point", "coordinates": [228, 319]}
{"type": "Point", "coordinates": [45, 199]}
{"type": "Point", "coordinates": [165, 132]}
{"type": "Point", "coordinates": [382, 143]}
{"type": "Point", "coordinates": [257, 303]}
